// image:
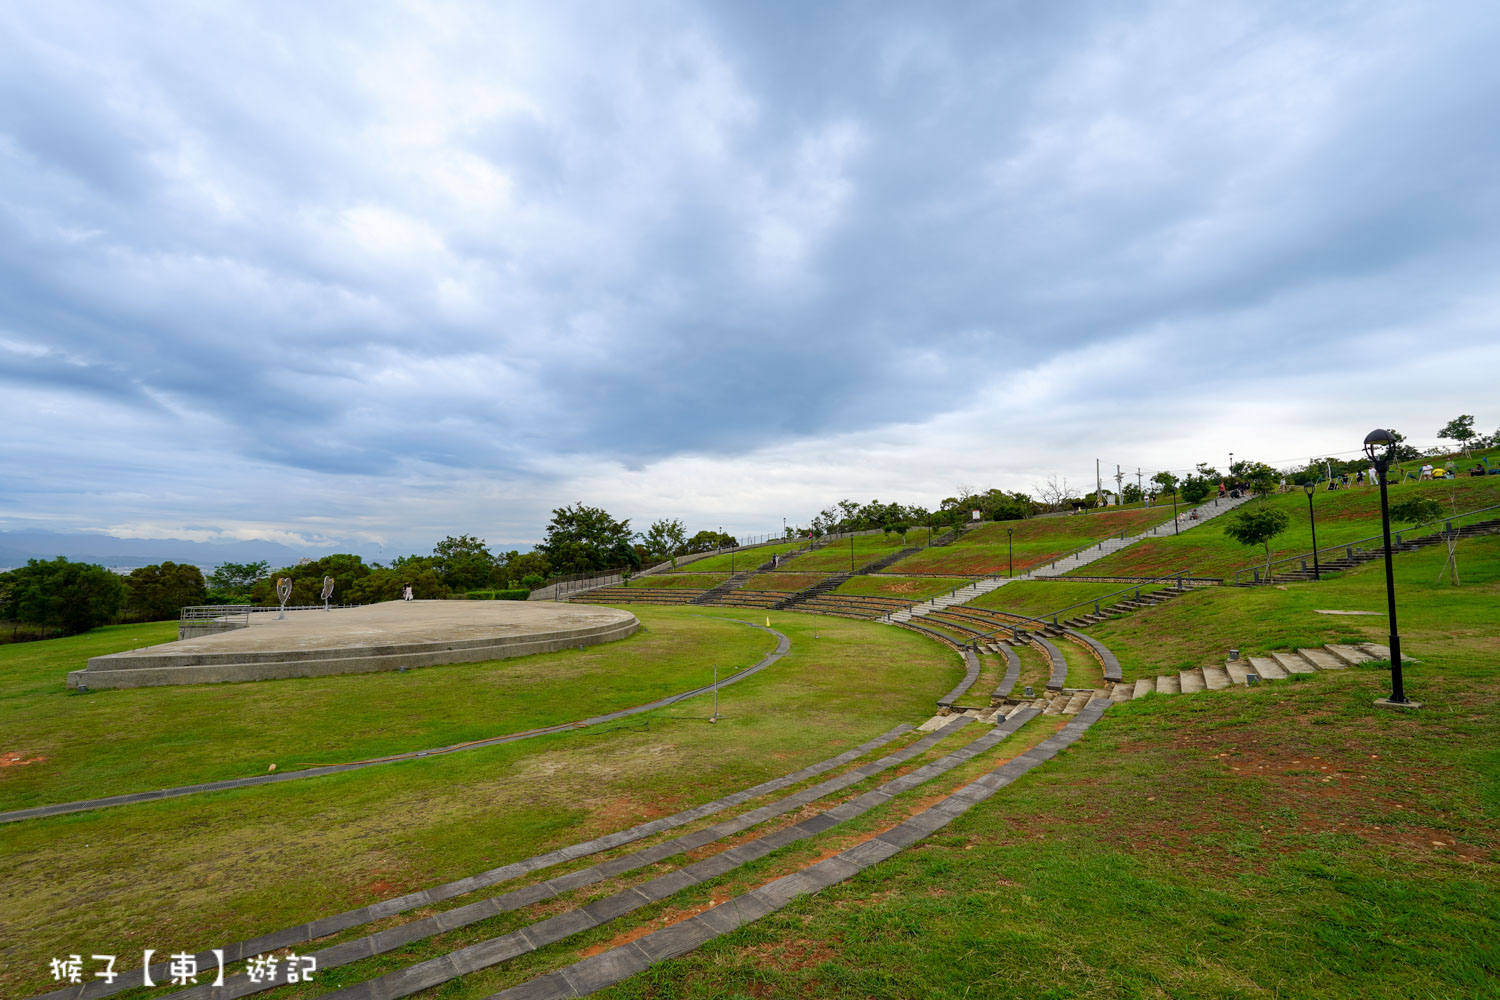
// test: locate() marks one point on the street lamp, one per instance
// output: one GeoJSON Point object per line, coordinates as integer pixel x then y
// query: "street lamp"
{"type": "Point", "coordinates": [1011, 550]}
{"type": "Point", "coordinates": [1311, 488]}
{"type": "Point", "coordinates": [1380, 448]}
{"type": "Point", "coordinates": [851, 550]}
{"type": "Point", "coordinates": [1176, 526]}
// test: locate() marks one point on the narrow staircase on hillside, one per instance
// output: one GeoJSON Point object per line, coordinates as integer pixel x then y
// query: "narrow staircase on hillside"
{"type": "Point", "coordinates": [1277, 665]}
{"type": "Point", "coordinates": [818, 589]}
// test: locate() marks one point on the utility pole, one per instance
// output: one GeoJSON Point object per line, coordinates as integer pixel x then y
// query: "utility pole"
{"type": "Point", "coordinates": [1119, 484]}
{"type": "Point", "coordinates": [1098, 485]}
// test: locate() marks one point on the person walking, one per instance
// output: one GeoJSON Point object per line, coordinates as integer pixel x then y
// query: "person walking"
{"type": "Point", "coordinates": [406, 592]}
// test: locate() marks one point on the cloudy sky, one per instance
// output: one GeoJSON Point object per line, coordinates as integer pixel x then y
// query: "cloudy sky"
{"type": "Point", "coordinates": [343, 274]}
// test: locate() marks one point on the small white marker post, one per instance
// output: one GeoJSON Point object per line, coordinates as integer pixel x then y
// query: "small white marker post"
{"type": "Point", "coordinates": [716, 696]}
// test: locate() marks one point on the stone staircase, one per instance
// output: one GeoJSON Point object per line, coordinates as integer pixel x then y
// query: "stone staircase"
{"type": "Point", "coordinates": [1353, 556]}
{"type": "Point", "coordinates": [884, 561]}
{"type": "Point", "coordinates": [818, 589]}
{"type": "Point", "coordinates": [1128, 606]}
{"type": "Point", "coordinates": [964, 595]}
{"type": "Point", "coordinates": [713, 594]}
{"type": "Point", "coordinates": [1274, 666]}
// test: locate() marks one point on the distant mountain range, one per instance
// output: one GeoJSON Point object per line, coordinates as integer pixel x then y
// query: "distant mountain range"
{"type": "Point", "coordinates": [128, 553]}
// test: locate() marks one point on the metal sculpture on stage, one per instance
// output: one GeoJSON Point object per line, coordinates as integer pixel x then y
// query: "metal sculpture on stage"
{"type": "Point", "coordinates": [283, 594]}
{"type": "Point", "coordinates": [327, 590]}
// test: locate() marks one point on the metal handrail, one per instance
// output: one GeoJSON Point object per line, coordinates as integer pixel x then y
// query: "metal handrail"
{"type": "Point", "coordinates": [1179, 576]}
{"type": "Point", "coordinates": [1349, 547]}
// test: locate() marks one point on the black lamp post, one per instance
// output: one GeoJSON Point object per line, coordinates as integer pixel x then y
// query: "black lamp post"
{"type": "Point", "coordinates": [1176, 527]}
{"type": "Point", "coordinates": [1380, 447]}
{"type": "Point", "coordinates": [1312, 488]}
{"type": "Point", "coordinates": [851, 550]}
{"type": "Point", "coordinates": [1011, 550]}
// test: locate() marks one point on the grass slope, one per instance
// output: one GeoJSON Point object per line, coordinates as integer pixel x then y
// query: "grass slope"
{"type": "Point", "coordinates": [1037, 597]}
{"type": "Point", "coordinates": [1200, 628]}
{"type": "Point", "coordinates": [911, 588]}
{"type": "Point", "coordinates": [739, 560]}
{"type": "Point", "coordinates": [679, 581]}
{"type": "Point", "coordinates": [1343, 516]}
{"type": "Point", "coordinates": [835, 557]}
{"type": "Point", "coordinates": [983, 550]}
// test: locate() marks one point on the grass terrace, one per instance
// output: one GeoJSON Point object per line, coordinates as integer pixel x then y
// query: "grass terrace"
{"type": "Point", "coordinates": [1037, 597]}
{"type": "Point", "coordinates": [1343, 516]}
{"type": "Point", "coordinates": [835, 556]}
{"type": "Point", "coordinates": [910, 588]}
{"type": "Point", "coordinates": [678, 581]}
{"type": "Point", "coordinates": [789, 582]}
{"type": "Point", "coordinates": [983, 551]}
{"type": "Point", "coordinates": [740, 559]}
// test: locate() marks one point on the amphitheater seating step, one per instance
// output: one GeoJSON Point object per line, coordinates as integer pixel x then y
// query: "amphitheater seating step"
{"type": "Point", "coordinates": [1143, 686]}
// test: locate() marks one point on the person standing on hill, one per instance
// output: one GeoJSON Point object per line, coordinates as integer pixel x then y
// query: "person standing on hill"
{"type": "Point", "coordinates": [406, 592]}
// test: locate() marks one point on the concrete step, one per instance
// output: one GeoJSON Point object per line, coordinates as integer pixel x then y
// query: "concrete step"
{"type": "Point", "coordinates": [1216, 678]}
{"type": "Point", "coordinates": [1122, 692]}
{"type": "Point", "coordinates": [1322, 659]}
{"type": "Point", "coordinates": [1143, 687]}
{"type": "Point", "coordinates": [1169, 684]}
{"type": "Point", "coordinates": [1269, 668]}
{"type": "Point", "coordinates": [1350, 655]}
{"type": "Point", "coordinates": [1237, 670]}
{"type": "Point", "coordinates": [1192, 681]}
{"type": "Point", "coordinates": [1076, 701]}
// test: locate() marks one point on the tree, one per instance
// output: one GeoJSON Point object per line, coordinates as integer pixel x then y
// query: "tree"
{"type": "Point", "coordinates": [1196, 488]}
{"type": "Point", "coordinates": [1416, 509]}
{"type": "Point", "coordinates": [68, 596]}
{"type": "Point", "coordinates": [307, 580]}
{"type": "Point", "coordinates": [708, 541]}
{"type": "Point", "coordinates": [1166, 481]}
{"type": "Point", "coordinates": [664, 540]}
{"type": "Point", "coordinates": [159, 593]}
{"type": "Point", "coordinates": [1053, 494]}
{"type": "Point", "coordinates": [1132, 493]}
{"type": "Point", "coordinates": [1258, 477]}
{"type": "Point", "coordinates": [464, 563]}
{"type": "Point", "coordinates": [1460, 429]}
{"type": "Point", "coordinates": [1257, 526]}
{"type": "Point", "coordinates": [581, 538]}
{"type": "Point", "coordinates": [234, 580]}
{"type": "Point", "coordinates": [386, 582]}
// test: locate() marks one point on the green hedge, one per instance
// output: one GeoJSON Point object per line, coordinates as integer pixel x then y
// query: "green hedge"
{"type": "Point", "coordinates": [498, 595]}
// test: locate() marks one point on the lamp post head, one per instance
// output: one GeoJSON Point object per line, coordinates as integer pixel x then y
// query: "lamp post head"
{"type": "Point", "coordinates": [1310, 487]}
{"type": "Point", "coordinates": [1380, 446]}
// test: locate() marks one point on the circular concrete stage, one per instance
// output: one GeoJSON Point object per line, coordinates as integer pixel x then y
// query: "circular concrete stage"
{"type": "Point", "coordinates": [361, 640]}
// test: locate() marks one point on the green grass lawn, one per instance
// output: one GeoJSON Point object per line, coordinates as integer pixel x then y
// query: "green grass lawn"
{"type": "Point", "coordinates": [835, 557]}
{"type": "Point", "coordinates": [911, 588]}
{"type": "Point", "coordinates": [196, 871]}
{"type": "Point", "coordinates": [740, 559]}
{"type": "Point", "coordinates": [1342, 516]}
{"type": "Point", "coordinates": [788, 582]}
{"type": "Point", "coordinates": [112, 741]}
{"type": "Point", "coordinates": [1038, 597]}
{"type": "Point", "coordinates": [983, 550]}
{"type": "Point", "coordinates": [679, 581]}
{"type": "Point", "coordinates": [1200, 628]}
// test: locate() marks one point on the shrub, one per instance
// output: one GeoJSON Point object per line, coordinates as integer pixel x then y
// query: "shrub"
{"type": "Point", "coordinates": [498, 595]}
